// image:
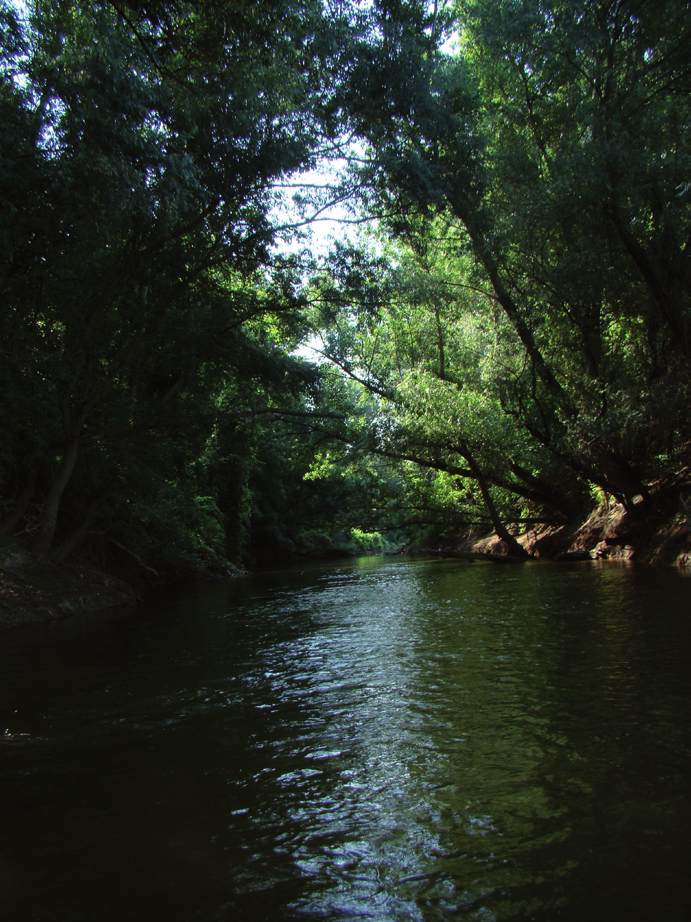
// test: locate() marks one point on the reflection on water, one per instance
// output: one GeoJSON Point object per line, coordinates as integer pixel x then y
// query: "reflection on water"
{"type": "Point", "coordinates": [384, 740]}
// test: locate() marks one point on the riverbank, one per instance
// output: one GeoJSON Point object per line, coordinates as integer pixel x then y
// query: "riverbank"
{"type": "Point", "coordinates": [35, 590]}
{"type": "Point", "coordinates": [657, 536]}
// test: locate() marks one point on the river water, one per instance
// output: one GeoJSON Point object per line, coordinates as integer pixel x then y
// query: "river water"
{"type": "Point", "coordinates": [379, 740]}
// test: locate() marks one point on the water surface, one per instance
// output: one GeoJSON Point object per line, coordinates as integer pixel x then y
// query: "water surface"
{"type": "Point", "coordinates": [380, 740]}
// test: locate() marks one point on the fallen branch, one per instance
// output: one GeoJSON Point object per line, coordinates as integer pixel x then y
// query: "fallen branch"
{"type": "Point", "coordinates": [136, 557]}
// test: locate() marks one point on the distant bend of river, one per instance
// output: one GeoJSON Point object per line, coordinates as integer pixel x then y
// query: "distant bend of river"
{"type": "Point", "coordinates": [379, 740]}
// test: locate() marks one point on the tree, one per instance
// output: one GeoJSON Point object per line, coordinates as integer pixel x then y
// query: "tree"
{"type": "Point", "coordinates": [436, 357]}
{"type": "Point", "coordinates": [140, 144]}
{"type": "Point", "coordinates": [556, 142]}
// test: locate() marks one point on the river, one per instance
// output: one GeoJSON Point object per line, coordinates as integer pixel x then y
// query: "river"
{"type": "Point", "coordinates": [380, 740]}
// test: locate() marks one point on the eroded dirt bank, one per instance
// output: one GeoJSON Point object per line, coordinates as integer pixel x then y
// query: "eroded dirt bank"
{"type": "Point", "coordinates": [660, 537]}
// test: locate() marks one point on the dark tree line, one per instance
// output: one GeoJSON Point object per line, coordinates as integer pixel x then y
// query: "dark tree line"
{"type": "Point", "coordinates": [144, 321]}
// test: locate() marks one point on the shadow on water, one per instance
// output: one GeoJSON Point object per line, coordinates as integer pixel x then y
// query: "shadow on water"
{"type": "Point", "coordinates": [379, 740]}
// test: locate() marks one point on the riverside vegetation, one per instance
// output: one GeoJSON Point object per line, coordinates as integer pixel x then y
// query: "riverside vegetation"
{"type": "Point", "coordinates": [504, 353]}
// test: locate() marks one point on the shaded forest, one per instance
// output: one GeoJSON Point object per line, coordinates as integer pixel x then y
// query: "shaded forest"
{"type": "Point", "coordinates": [504, 344]}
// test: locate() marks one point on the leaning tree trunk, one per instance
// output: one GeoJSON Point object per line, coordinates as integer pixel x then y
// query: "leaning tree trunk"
{"type": "Point", "coordinates": [515, 548]}
{"type": "Point", "coordinates": [61, 553]}
{"type": "Point", "coordinates": [49, 514]}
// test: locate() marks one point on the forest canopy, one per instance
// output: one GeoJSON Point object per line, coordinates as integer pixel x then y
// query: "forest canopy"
{"type": "Point", "coordinates": [508, 343]}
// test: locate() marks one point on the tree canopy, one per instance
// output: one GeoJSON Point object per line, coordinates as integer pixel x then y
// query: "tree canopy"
{"type": "Point", "coordinates": [538, 174]}
{"type": "Point", "coordinates": [512, 343]}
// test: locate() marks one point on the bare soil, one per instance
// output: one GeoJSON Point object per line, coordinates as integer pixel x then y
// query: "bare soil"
{"type": "Point", "coordinates": [659, 538]}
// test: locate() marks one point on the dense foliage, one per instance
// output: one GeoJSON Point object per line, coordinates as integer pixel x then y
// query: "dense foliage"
{"type": "Point", "coordinates": [143, 321]}
{"type": "Point", "coordinates": [529, 335]}
{"type": "Point", "coordinates": [512, 344]}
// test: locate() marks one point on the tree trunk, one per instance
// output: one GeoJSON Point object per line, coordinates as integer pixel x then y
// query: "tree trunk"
{"type": "Point", "coordinates": [49, 515]}
{"type": "Point", "coordinates": [514, 547]}
{"type": "Point", "coordinates": [61, 553]}
{"type": "Point", "coordinates": [664, 299]}
{"type": "Point", "coordinates": [485, 256]}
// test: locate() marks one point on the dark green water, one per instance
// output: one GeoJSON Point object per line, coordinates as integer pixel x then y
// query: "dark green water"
{"type": "Point", "coordinates": [384, 740]}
